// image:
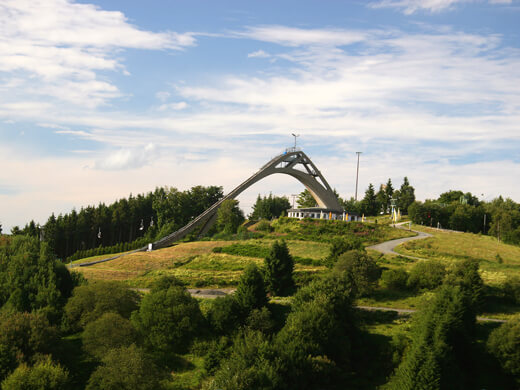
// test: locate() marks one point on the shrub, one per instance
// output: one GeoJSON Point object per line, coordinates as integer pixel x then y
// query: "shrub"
{"type": "Point", "coordinates": [125, 368]}
{"type": "Point", "coordinates": [512, 288]}
{"type": "Point", "coordinates": [168, 319]}
{"type": "Point", "coordinates": [361, 268]}
{"type": "Point", "coordinates": [504, 344]}
{"type": "Point", "coordinates": [426, 274]}
{"type": "Point", "coordinates": [279, 267]}
{"type": "Point", "coordinates": [251, 293]}
{"type": "Point", "coordinates": [43, 375]}
{"type": "Point", "coordinates": [108, 332]}
{"type": "Point", "coordinates": [341, 245]}
{"type": "Point", "coordinates": [224, 314]}
{"type": "Point", "coordinates": [264, 226]}
{"type": "Point", "coordinates": [394, 279]}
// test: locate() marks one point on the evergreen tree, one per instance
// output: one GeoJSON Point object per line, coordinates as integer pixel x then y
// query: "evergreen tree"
{"type": "Point", "coordinates": [381, 199]}
{"type": "Point", "coordinates": [251, 293]}
{"type": "Point", "coordinates": [269, 207]}
{"type": "Point", "coordinates": [440, 354]}
{"type": "Point", "coordinates": [305, 199]}
{"type": "Point", "coordinates": [389, 193]}
{"type": "Point", "coordinates": [279, 266]}
{"type": "Point", "coordinates": [369, 204]}
{"type": "Point", "coordinates": [406, 196]}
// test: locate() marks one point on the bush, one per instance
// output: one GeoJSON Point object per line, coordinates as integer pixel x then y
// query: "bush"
{"type": "Point", "coordinates": [426, 275]}
{"type": "Point", "coordinates": [361, 268]}
{"type": "Point", "coordinates": [504, 344]}
{"type": "Point", "coordinates": [224, 314]}
{"type": "Point", "coordinates": [340, 246]}
{"type": "Point", "coordinates": [168, 319]}
{"type": "Point", "coordinates": [91, 301]}
{"type": "Point", "coordinates": [125, 368]}
{"type": "Point", "coordinates": [251, 293]}
{"type": "Point", "coordinates": [43, 375]}
{"type": "Point", "coordinates": [394, 279]}
{"type": "Point", "coordinates": [264, 226]}
{"type": "Point", "coordinates": [108, 332]}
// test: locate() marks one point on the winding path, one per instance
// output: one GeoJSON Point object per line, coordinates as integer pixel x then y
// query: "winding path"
{"type": "Point", "coordinates": [388, 247]}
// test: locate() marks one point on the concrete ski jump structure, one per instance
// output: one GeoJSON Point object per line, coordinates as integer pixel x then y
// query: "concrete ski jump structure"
{"type": "Point", "coordinates": [293, 162]}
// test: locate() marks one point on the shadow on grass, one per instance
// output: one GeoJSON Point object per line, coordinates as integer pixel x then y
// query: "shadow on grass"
{"type": "Point", "coordinates": [386, 295]}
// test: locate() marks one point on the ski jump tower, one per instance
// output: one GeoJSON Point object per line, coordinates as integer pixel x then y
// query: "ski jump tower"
{"type": "Point", "coordinates": [293, 162]}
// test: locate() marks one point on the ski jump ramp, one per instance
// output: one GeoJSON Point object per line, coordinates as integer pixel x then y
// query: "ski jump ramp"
{"type": "Point", "coordinates": [293, 162]}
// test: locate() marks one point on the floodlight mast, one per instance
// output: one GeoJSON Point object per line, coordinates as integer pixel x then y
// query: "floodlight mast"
{"type": "Point", "coordinates": [357, 172]}
{"type": "Point", "coordinates": [295, 136]}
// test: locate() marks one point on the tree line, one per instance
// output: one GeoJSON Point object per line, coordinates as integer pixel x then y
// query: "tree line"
{"type": "Point", "coordinates": [152, 215]}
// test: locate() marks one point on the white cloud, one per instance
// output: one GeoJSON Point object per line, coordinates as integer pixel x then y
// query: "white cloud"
{"type": "Point", "coordinates": [258, 54]}
{"type": "Point", "coordinates": [411, 6]}
{"type": "Point", "coordinates": [291, 36]}
{"type": "Point", "coordinates": [162, 95]}
{"type": "Point", "coordinates": [173, 106]}
{"type": "Point", "coordinates": [127, 158]}
{"type": "Point", "coordinates": [59, 46]}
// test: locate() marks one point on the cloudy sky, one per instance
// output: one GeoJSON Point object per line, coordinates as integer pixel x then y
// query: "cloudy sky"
{"type": "Point", "coordinates": [99, 99]}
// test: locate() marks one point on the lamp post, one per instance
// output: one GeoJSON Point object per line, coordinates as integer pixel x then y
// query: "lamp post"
{"type": "Point", "coordinates": [357, 173]}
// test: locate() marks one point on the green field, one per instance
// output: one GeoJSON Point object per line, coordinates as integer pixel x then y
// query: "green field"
{"type": "Point", "coordinates": [219, 264]}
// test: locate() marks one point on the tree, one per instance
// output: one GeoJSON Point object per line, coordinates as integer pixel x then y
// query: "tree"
{"type": "Point", "coordinates": [352, 205]}
{"type": "Point", "coordinates": [406, 196]}
{"type": "Point", "coordinates": [229, 216]}
{"type": "Point", "coordinates": [504, 344]}
{"type": "Point", "coordinates": [341, 245]}
{"type": "Point", "coordinates": [361, 268]}
{"type": "Point", "coordinates": [30, 278]}
{"type": "Point", "coordinates": [125, 368]}
{"type": "Point", "coordinates": [44, 375]}
{"type": "Point", "coordinates": [279, 266]}
{"type": "Point", "coordinates": [168, 319]}
{"type": "Point", "coordinates": [251, 293]}
{"type": "Point", "coordinates": [305, 199]}
{"type": "Point", "coordinates": [369, 204]}
{"type": "Point", "coordinates": [91, 301]}
{"type": "Point", "coordinates": [439, 355]}
{"type": "Point", "coordinates": [269, 207]}
{"type": "Point", "coordinates": [0, 228]}
{"type": "Point", "coordinates": [108, 332]}
{"type": "Point", "coordinates": [382, 200]}
{"type": "Point", "coordinates": [389, 192]}
{"type": "Point", "coordinates": [22, 337]}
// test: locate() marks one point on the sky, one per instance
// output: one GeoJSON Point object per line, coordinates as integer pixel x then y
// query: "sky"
{"type": "Point", "coordinates": [103, 98]}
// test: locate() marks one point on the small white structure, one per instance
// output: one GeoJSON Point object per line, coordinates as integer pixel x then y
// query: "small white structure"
{"type": "Point", "coordinates": [321, 213]}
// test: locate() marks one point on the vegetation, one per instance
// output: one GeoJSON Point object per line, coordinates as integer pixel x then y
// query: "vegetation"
{"type": "Point", "coordinates": [269, 207]}
{"type": "Point", "coordinates": [61, 330]}
{"type": "Point", "coordinates": [279, 267]}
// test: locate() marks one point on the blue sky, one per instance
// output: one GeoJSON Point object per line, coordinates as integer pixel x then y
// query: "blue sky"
{"type": "Point", "coordinates": [99, 99]}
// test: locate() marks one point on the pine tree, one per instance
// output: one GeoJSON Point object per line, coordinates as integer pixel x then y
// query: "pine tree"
{"type": "Point", "coordinates": [279, 266]}
{"type": "Point", "coordinates": [305, 199]}
{"type": "Point", "coordinates": [406, 196]}
{"type": "Point", "coordinates": [381, 199]}
{"type": "Point", "coordinates": [251, 293]}
{"type": "Point", "coordinates": [369, 202]}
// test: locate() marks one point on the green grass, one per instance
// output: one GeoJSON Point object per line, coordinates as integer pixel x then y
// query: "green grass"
{"type": "Point", "coordinates": [451, 247]}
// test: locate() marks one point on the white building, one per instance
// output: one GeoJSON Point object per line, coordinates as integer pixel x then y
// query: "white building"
{"type": "Point", "coordinates": [321, 213]}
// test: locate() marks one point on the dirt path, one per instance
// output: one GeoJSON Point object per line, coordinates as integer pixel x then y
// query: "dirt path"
{"type": "Point", "coordinates": [411, 311]}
